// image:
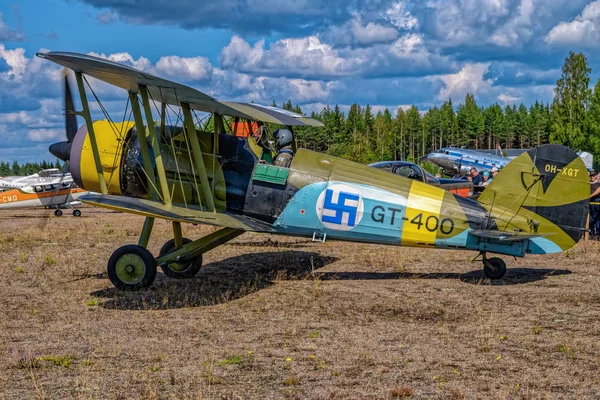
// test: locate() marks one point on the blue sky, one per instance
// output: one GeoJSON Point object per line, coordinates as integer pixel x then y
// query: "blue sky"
{"type": "Point", "coordinates": [387, 53]}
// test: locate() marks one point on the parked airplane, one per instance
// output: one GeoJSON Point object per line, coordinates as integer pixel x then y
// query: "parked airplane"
{"type": "Point", "coordinates": [50, 188]}
{"type": "Point", "coordinates": [56, 195]}
{"type": "Point", "coordinates": [538, 205]}
{"type": "Point", "coordinates": [455, 161]}
{"type": "Point", "coordinates": [45, 176]}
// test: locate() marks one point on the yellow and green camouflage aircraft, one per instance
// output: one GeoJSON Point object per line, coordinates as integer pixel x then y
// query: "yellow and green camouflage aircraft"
{"type": "Point", "coordinates": [538, 204]}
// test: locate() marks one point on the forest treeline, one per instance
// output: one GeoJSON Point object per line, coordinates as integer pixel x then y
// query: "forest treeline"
{"type": "Point", "coordinates": [572, 119]}
{"type": "Point", "coordinates": [16, 169]}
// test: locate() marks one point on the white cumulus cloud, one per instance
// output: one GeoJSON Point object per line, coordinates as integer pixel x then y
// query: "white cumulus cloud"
{"type": "Point", "coordinates": [470, 79]}
{"type": "Point", "coordinates": [306, 57]}
{"type": "Point", "coordinates": [507, 98]}
{"type": "Point", "coordinates": [400, 17]}
{"type": "Point", "coordinates": [372, 32]}
{"type": "Point", "coordinates": [44, 135]}
{"type": "Point", "coordinates": [584, 29]}
{"type": "Point", "coordinates": [185, 69]}
{"type": "Point", "coordinates": [16, 61]}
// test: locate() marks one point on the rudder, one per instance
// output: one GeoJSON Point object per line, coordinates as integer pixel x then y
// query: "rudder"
{"type": "Point", "coordinates": [544, 191]}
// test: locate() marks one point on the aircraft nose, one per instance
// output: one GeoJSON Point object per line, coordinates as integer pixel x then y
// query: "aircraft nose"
{"type": "Point", "coordinates": [437, 159]}
{"type": "Point", "coordinates": [61, 150]}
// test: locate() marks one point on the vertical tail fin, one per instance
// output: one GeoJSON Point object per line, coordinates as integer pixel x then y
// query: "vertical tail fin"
{"type": "Point", "coordinates": [544, 191]}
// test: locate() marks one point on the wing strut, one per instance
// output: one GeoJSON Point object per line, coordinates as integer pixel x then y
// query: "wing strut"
{"type": "Point", "coordinates": [90, 127]}
{"type": "Point", "coordinates": [139, 127]}
{"type": "Point", "coordinates": [197, 152]}
{"type": "Point", "coordinates": [151, 129]}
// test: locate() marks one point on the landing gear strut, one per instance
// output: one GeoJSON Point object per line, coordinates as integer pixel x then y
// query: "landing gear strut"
{"type": "Point", "coordinates": [183, 269]}
{"type": "Point", "coordinates": [132, 267]}
{"type": "Point", "coordinates": [493, 268]}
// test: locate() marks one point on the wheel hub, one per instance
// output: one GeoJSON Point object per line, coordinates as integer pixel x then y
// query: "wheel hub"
{"type": "Point", "coordinates": [130, 268]}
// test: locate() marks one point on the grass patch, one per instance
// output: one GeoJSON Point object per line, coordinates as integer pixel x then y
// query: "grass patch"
{"type": "Point", "coordinates": [49, 260]}
{"type": "Point", "coordinates": [235, 359]}
{"type": "Point", "coordinates": [401, 392]}
{"type": "Point", "coordinates": [64, 361]}
{"type": "Point", "coordinates": [537, 329]}
{"type": "Point", "coordinates": [291, 381]}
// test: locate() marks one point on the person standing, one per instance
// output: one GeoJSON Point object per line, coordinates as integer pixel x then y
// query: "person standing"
{"type": "Point", "coordinates": [476, 177]}
{"type": "Point", "coordinates": [493, 173]}
{"type": "Point", "coordinates": [594, 223]}
{"type": "Point", "coordinates": [486, 178]}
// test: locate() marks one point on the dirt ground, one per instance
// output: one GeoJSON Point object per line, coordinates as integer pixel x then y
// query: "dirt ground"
{"type": "Point", "coordinates": [274, 317]}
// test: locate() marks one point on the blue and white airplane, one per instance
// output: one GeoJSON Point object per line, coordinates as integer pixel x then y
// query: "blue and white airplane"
{"type": "Point", "coordinates": [454, 161]}
{"type": "Point", "coordinates": [459, 161]}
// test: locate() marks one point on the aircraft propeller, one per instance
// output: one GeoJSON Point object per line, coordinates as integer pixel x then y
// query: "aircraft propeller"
{"type": "Point", "coordinates": [62, 150]}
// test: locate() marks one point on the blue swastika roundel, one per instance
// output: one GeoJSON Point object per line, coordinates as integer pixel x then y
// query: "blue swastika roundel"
{"type": "Point", "coordinates": [340, 207]}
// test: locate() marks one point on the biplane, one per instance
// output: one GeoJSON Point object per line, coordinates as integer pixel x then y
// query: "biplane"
{"type": "Point", "coordinates": [199, 171]}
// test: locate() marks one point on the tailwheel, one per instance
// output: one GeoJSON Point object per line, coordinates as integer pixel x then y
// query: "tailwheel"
{"type": "Point", "coordinates": [131, 267]}
{"type": "Point", "coordinates": [183, 269]}
{"type": "Point", "coordinates": [494, 268]}
{"type": "Point", "coordinates": [76, 213]}
{"type": "Point", "coordinates": [58, 212]}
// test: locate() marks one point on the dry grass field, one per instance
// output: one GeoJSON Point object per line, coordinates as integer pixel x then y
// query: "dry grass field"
{"type": "Point", "coordinates": [275, 317]}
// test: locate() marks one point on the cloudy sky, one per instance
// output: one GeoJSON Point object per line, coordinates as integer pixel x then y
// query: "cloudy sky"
{"type": "Point", "coordinates": [387, 53]}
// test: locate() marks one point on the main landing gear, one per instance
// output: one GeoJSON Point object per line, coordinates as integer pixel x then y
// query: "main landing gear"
{"type": "Point", "coordinates": [58, 213]}
{"type": "Point", "coordinates": [493, 268]}
{"type": "Point", "coordinates": [133, 267]}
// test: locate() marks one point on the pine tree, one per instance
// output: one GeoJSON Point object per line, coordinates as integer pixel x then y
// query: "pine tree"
{"type": "Point", "coordinates": [540, 124]}
{"type": "Point", "coordinates": [449, 125]}
{"type": "Point", "coordinates": [413, 131]}
{"type": "Point", "coordinates": [470, 122]}
{"type": "Point", "coordinates": [369, 122]}
{"type": "Point", "coordinates": [399, 134]}
{"type": "Point", "coordinates": [493, 125]}
{"type": "Point", "coordinates": [523, 130]}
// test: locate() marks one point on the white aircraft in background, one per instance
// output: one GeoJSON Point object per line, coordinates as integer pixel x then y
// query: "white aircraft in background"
{"type": "Point", "coordinates": [45, 176]}
{"type": "Point", "coordinates": [60, 192]}
{"type": "Point", "coordinates": [50, 188]}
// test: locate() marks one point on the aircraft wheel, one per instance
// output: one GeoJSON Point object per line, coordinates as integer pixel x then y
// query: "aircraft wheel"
{"type": "Point", "coordinates": [494, 268]}
{"type": "Point", "coordinates": [58, 212]}
{"type": "Point", "coordinates": [76, 213]}
{"type": "Point", "coordinates": [131, 267]}
{"type": "Point", "coordinates": [180, 270]}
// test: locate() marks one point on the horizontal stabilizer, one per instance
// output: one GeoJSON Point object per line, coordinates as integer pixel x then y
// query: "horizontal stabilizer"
{"type": "Point", "coordinates": [503, 236]}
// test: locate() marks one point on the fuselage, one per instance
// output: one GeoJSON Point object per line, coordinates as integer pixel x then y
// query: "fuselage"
{"type": "Point", "coordinates": [454, 160]}
{"type": "Point", "coordinates": [47, 195]}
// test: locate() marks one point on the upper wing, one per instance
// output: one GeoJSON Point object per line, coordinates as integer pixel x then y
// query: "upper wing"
{"type": "Point", "coordinates": [170, 92]}
{"type": "Point", "coordinates": [155, 209]}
